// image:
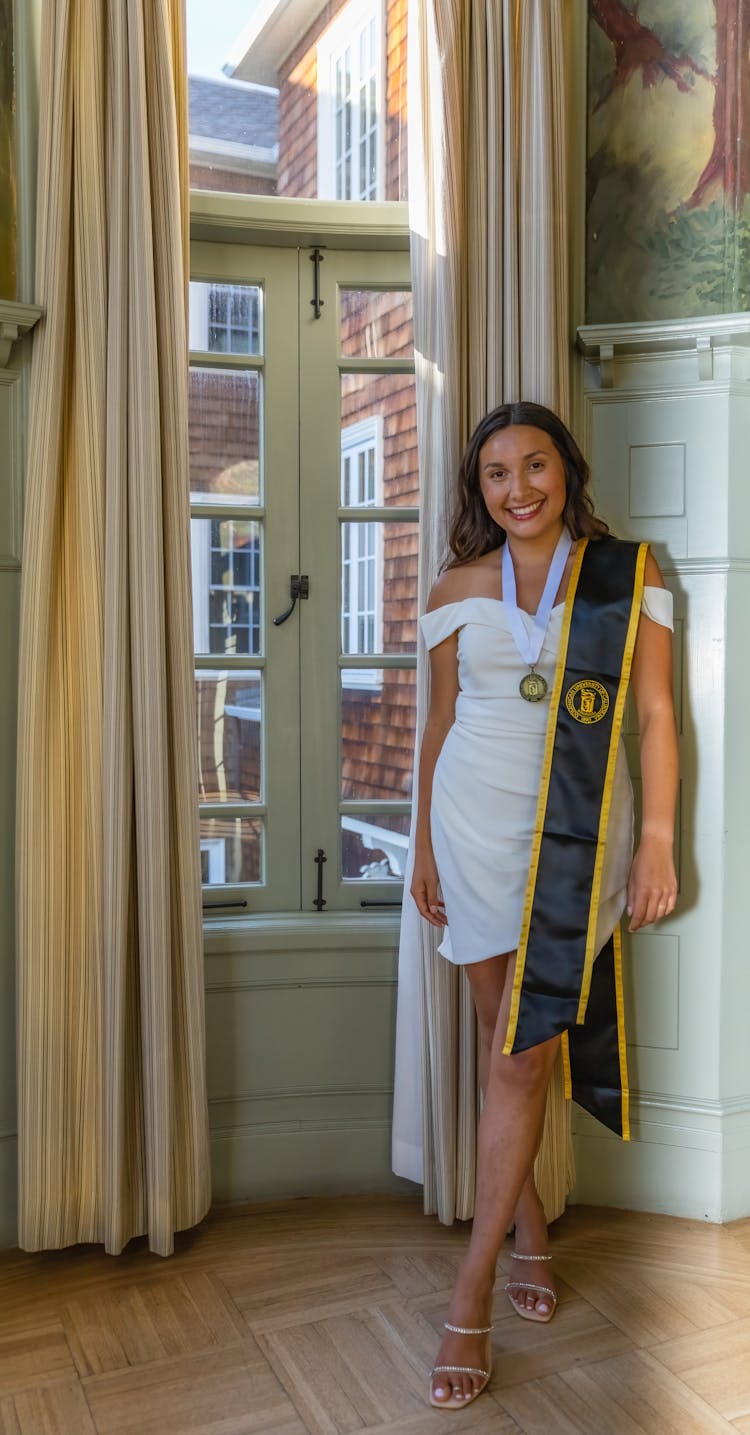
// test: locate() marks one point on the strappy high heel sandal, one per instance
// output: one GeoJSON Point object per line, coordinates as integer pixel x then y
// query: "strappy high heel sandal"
{"type": "Point", "coordinates": [523, 1310]}
{"type": "Point", "coordinates": [454, 1403]}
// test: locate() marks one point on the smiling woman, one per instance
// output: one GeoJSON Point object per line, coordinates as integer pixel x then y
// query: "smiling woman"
{"type": "Point", "coordinates": [523, 842]}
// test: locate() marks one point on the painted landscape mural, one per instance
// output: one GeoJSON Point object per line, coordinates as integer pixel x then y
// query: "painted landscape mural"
{"type": "Point", "coordinates": [668, 174]}
{"type": "Point", "coordinates": [7, 156]}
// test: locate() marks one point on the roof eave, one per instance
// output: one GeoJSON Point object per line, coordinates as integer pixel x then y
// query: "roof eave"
{"type": "Point", "coordinates": [269, 37]}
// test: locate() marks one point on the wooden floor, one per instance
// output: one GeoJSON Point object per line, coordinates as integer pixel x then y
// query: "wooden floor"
{"type": "Point", "coordinates": [323, 1316]}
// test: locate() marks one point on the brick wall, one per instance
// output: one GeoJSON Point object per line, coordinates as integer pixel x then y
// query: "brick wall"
{"type": "Point", "coordinates": [228, 181]}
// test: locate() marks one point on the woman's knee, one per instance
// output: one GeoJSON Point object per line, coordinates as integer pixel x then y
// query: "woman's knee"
{"type": "Point", "coordinates": [528, 1069]}
{"type": "Point", "coordinates": [486, 1028]}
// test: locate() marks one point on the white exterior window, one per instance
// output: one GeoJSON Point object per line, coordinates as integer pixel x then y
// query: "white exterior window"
{"type": "Point", "coordinates": [351, 110]}
{"type": "Point", "coordinates": [362, 547]}
{"type": "Point", "coordinates": [225, 318]}
{"type": "Point", "coordinates": [213, 860]}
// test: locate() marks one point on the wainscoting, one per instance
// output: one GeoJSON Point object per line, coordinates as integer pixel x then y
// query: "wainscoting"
{"type": "Point", "coordinates": [300, 1017]}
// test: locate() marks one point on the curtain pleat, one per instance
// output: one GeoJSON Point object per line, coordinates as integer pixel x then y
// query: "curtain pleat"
{"type": "Point", "coordinates": [487, 207]}
{"type": "Point", "coordinates": [113, 1131]}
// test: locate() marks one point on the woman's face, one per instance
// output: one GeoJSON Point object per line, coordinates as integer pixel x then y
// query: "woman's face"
{"type": "Point", "coordinates": [522, 479]}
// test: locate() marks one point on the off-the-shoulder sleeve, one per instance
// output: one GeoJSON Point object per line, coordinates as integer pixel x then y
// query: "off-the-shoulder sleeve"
{"type": "Point", "coordinates": [440, 623]}
{"type": "Point", "coordinates": [658, 604]}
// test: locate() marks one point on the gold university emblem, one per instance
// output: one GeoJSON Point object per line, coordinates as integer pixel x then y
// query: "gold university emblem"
{"type": "Point", "coordinates": [587, 701]}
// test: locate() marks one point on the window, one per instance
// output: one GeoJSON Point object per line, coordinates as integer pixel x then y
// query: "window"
{"type": "Point", "coordinates": [350, 104]}
{"type": "Point", "coordinates": [303, 461]}
{"type": "Point", "coordinates": [362, 547]}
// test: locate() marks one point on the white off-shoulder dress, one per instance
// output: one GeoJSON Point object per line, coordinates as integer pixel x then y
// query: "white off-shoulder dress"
{"type": "Point", "coordinates": [486, 781]}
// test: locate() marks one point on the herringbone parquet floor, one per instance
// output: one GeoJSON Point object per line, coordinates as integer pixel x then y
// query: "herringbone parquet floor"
{"type": "Point", "coordinates": [323, 1316]}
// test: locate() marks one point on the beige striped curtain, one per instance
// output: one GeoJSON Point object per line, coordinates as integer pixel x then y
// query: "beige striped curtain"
{"type": "Point", "coordinates": [113, 1138]}
{"type": "Point", "coordinates": [488, 216]}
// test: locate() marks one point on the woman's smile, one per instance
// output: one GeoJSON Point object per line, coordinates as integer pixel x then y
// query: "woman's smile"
{"type": "Point", "coordinates": [521, 515]}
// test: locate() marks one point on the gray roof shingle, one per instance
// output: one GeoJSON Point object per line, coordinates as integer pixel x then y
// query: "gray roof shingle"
{"type": "Point", "coordinates": [233, 110]}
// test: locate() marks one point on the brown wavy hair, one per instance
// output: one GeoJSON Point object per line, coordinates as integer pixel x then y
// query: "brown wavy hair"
{"type": "Point", "coordinates": [473, 532]}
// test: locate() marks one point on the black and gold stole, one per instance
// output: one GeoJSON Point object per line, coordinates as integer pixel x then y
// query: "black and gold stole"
{"type": "Point", "coordinates": [558, 987]}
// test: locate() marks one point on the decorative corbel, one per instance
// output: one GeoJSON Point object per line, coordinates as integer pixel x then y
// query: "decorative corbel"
{"type": "Point", "coordinates": [607, 365]}
{"type": "Point", "coordinates": [15, 321]}
{"type": "Point", "coordinates": [705, 352]}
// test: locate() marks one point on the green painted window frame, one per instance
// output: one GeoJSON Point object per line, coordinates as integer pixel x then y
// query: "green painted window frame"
{"type": "Point", "coordinates": [246, 239]}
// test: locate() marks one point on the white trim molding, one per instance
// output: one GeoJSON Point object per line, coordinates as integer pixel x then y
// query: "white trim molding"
{"type": "Point", "coordinates": [604, 344]}
{"type": "Point", "coordinates": [274, 29]}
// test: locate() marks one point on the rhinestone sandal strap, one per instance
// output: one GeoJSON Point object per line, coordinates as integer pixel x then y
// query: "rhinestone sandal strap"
{"type": "Point", "coordinates": [467, 1330]}
{"type": "Point", "coordinates": [529, 1286]}
{"type": "Point", "coordinates": [459, 1370]}
{"type": "Point", "coordinates": [518, 1257]}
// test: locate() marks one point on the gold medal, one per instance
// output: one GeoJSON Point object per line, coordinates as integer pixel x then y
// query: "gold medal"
{"type": "Point", "coordinates": [533, 687]}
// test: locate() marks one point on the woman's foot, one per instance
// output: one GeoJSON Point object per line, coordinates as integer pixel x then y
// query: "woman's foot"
{"type": "Point", "coordinates": [531, 1241]}
{"type": "Point", "coordinates": [471, 1352]}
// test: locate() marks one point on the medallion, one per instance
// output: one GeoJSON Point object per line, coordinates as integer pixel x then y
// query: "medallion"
{"type": "Point", "coordinates": [533, 687]}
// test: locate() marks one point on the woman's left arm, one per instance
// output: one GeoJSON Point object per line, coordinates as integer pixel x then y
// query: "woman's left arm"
{"type": "Point", "coordinates": [652, 887]}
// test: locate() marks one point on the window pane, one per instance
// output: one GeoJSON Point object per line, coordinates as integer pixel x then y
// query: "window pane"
{"type": "Point", "coordinates": [379, 587]}
{"type": "Point", "coordinates": [374, 846]}
{"type": "Point", "coordinates": [231, 850]}
{"type": "Point", "coordinates": [227, 585]}
{"type": "Point", "coordinates": [378, 714]}
{"type": "Point", "coordinates": [378, 413]}
{"type": "Point", "coordinates": [224, 429]}
{"type": "Point", "coordinates": [376, 323]}
{"type": "Point", "coordinates": [228, 712]}
{"type": "Point", "coordinates": [225, 318]}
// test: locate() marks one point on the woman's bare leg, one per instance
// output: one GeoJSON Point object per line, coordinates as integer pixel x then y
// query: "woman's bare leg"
{"type": "Point", "coordinates": [509, 1133]}
{"type": "Point", "coordinates": [487, 980]}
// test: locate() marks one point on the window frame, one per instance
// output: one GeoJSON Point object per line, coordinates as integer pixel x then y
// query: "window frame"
{"type": "Point", "coordinates": [228, 233]}
{"type": "Point", "coordinates": [278, 886]}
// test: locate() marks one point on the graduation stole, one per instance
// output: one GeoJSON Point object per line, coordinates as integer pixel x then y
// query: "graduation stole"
{"type": "Point", "coordinates": [558, 987]}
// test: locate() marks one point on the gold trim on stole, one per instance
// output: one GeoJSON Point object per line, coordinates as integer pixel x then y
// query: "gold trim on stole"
{"type": "Point", "coordinates": [549, 743]}
{"type": "Point", "coordinates": [621, 1035]}
{"type": "Point", "coordinates": [567, 1078]}
{"type": "Point", "coordinates": [609, 778]}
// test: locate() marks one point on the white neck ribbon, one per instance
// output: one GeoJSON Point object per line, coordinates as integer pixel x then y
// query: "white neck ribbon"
{"type": "Point", "coordinates": [529, 643]}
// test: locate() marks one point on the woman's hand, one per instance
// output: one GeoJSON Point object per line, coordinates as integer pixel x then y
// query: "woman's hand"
{"type": "Point", "coordinates": [652, 886]}
{"type": "Point", "coordinates": [424, 888]}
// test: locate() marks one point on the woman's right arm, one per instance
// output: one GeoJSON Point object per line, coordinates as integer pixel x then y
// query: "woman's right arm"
{"type": "Point", "coordinates": [443, 693]}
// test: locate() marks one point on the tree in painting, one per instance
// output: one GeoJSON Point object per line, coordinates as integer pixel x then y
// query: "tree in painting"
{"type": "Point", "coordinates": [691, 251]}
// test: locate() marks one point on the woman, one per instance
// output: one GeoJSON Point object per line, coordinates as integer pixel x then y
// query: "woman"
{"type": "Point", "coordinates": [525, 542]}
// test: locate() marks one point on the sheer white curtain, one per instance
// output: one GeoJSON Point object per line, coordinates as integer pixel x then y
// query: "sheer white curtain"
{"type": "Point", "coordinates": [488, 220]}
{"type": "Point", "coordinates": [113, 1128]}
